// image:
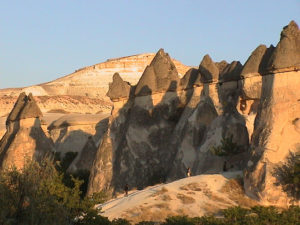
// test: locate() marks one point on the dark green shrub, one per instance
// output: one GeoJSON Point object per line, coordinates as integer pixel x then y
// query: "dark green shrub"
{"type": "Point", "coordinates": [178, 220]}
{"type": "Point", "coordinates": [92, 218]}
{"type": "Point", "coordinates": [120, 222]}
{"type": "Point", "coordinates": [146, 223]}
{"type": "Point", "coordinates": [227, 148]}
{"type": "Point", "coordinates": [288, 175]}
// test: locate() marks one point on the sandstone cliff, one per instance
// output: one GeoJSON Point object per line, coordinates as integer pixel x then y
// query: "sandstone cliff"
{"type": "Point", "coordinates": [24, 138]}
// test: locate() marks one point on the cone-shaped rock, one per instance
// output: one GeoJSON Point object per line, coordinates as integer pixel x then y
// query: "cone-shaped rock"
{"type": "Point", "coordinates": [160, 75]}
{"type": "Point", "coordinates": [118, 88]}
{"type": "Point", "coordinates": [221, 66]}
{"type": "Point", "coordinates": [190, 79]}
{"type": "Point", "coordinates": [25, 107]}
{"type": "Point", "coordinates": [24, 139]}
{"type": "Point", "coordinates": [287, 52]}
{"type": "Point", "coordinates": [208, 70]}
{"type": "Point", "coordinates": [232, 72]}
{"type": "Point", "coordinates": [252, 64]}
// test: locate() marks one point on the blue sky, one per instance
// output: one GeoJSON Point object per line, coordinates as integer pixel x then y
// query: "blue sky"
{"type": "Point", "coordinates": [46, 39]}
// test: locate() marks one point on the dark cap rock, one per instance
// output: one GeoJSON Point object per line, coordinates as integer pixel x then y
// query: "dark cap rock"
{"type": "Point", "coordinates": [287, 52]}
{"type": "Point", "coordinates": [221, 66]}
{"type": "Point", "coordinates": [118, 88]}
{"type": "Point", "coordinates": [208, 70]}
{"type": "Point", "coordinates": [25, 107]}
{"type": "Point", "coordinates": [160, 75]}
{"type": "Point", "coordinates": [253, 62]}
{"type": "Point", "coordinates": [191, 78]}
{"type": "Point", "coordinates": [231, 72]}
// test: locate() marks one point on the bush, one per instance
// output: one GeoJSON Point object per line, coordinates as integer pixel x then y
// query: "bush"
{"type": "Point", "coordinates": [227, 148]}
{"type": "Point", "coordinates": [288, 175]}
{"type": "Point", "coordinates": [36, 195]}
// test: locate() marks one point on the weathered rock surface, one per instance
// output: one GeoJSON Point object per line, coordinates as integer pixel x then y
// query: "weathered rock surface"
{"type": "Point", "coordinates": [208, 70]}
{"type": "Point", "coordinates": [84, 161]}
{"type": "Point", "coordinates": [24, 138]}
{"type": "Point", "coordinates": [287, 52]}
{"type": "Point", "coordinates": [160, 132]}
{"type": "Point", "coordinates": [148, 131]}
{"type": "Point", "coordinates": [160, 76]}
{"type": "Point", "coordinates": [118, 88]}
{"type": "Point", "coordinates": [274, 137]}
{"type": "Point", "coordinates": [71, 132]}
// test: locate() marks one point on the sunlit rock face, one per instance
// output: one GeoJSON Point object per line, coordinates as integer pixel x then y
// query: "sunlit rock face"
{"type": "Point", "coordinates": [24, 139]}
{"type": "Point", "coordinates": [276, 135]}
{"type": "Point", "coordinates": [165, 124]}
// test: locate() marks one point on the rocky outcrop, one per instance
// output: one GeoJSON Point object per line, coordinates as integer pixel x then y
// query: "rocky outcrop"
{"type": "Point", "coordinates": [208, 70]}
{"type": "Point", "coordinates": [287, 52]}
{"type": "Point", "coordinates": [164, 122]}
{"type": "Point", "coordinates": [24, 139]}
{"type": "Point", "coordinates": [71, 132]}
{"type": "Point", "coordinates": [84, 161]}
{"type": "Point", "coordinates": [275, 134]}
{"type": "Point", "coordinates": [159, 132]}
{"type": "Point", "coordinates": [160, 76]}
{"type": "Point", "coordinates": [118, 88]}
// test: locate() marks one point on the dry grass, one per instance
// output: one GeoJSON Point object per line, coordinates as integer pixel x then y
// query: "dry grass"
{"type": "Point", "coordinates": [58, 111]}
{"type": "Point", "coordinates": [160, 192]}
{"type": "Point", "coordinates": [157, 212]}
{"type": "Point", "coordinates": [191, 187]}
{"type": "Point", "coordinates": [234, 189]}
{"type": "Point", "coordinates": [166, 197]}
{"type": "Point", "coordinates": [185, 199]}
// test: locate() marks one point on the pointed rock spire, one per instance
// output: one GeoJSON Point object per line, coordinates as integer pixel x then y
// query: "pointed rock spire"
{"type": "Point", "coordinates": [208, 70]}
{"type": "Point", "coordinates": [231, 72]}
{"type": "Point", "coordinates": [25, 107]}
{"type": "Point", "coordinates": [221, 66]}
{"type": "Point", "coordinates": [252, 64]}
{"type": "Point", "coordinates": [287, 52]}
{"type": "Point", "coordinates": [118, 88]}
{"type": "Point", "coordinates": [160, 75]}
{"type": "Point", "coordinates": [190, 78]}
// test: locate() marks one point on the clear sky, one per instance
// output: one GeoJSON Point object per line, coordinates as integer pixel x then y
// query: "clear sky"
{"type": "Point", "coordinates": [46, 39]}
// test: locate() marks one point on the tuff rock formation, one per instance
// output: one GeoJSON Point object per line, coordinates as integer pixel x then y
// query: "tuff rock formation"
{"type": "Point", "coordinates": [169, 125]}
{"type": "Point", "coordinates": [24, 139]}
{"type": "Point", "coordinates": [158, 133]}
{"type": "Point", "coordinates": [84, 161]}
{"type": "Point", "coordinates": [276, 134]}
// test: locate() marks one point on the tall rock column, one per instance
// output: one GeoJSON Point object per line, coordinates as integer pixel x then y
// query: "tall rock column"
{"type": "Point", "coordinates": [276, 129]}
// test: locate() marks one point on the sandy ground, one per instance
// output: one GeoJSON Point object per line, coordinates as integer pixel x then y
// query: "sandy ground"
{"type": "Point", "coordinates": [192, 196]}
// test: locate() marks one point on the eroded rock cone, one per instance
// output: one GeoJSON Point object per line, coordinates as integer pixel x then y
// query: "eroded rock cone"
{"type": "Point", "coordinates": [24, 139]}
{"type": "Point", "coordinates": [160, 75]}
{"type": "Point", "coordinates": [232, 72]}
{"type": "Point", "coordinates": [118, 88]}
{"type": "Point", "coordinates": [208, 70]}
{"type": "Point", "coordinates": [287, 52]}
{"type": "Point", "coordinates": [191, 78]}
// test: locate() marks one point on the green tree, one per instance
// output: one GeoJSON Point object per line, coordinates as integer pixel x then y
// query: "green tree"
{"type": "Point", "coordinates": [36, 195]}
